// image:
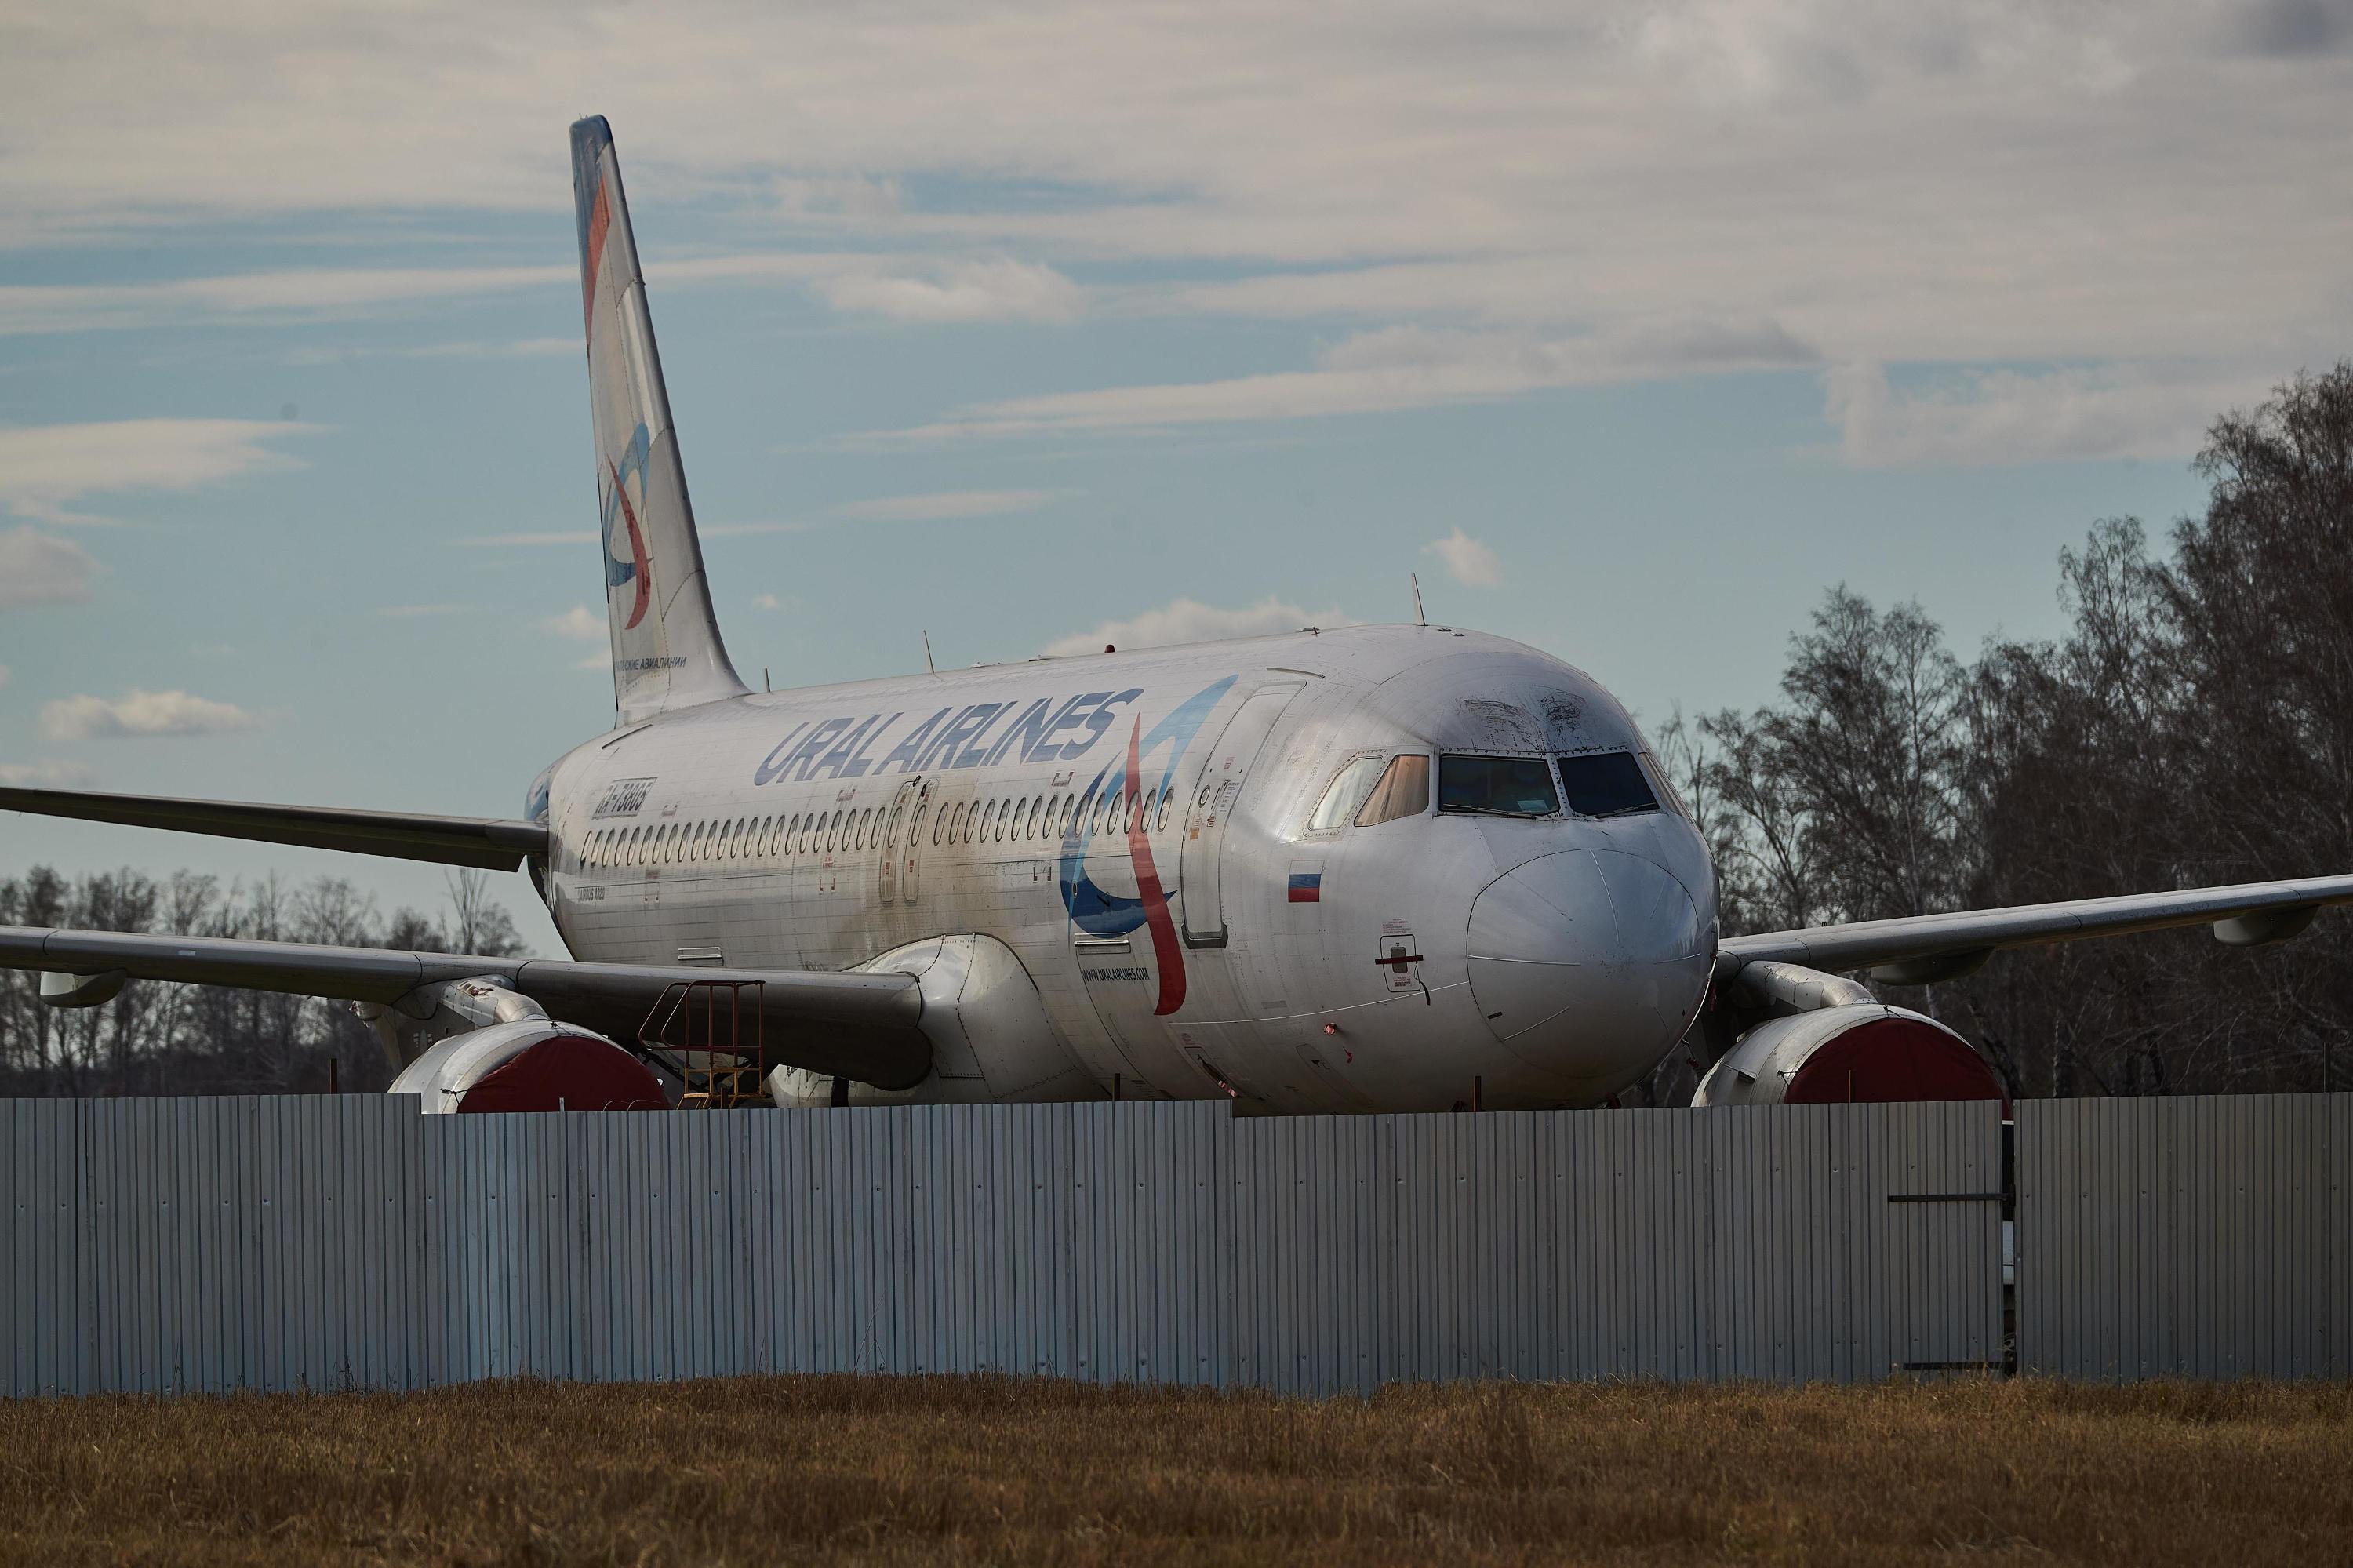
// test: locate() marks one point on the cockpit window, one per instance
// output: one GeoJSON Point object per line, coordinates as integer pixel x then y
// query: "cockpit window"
{"type": "Point", "coordinates": [1606, 784]}
{"type": "Point", "coordinates": [1496, 786]}
{"type": "Point", "coordinates": [1346, 793]}
{"type": "Point", "coordinates": [1403, 791]}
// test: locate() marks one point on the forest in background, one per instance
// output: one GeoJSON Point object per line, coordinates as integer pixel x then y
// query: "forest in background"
{"type": "Point", "coordinates": [158, 1039]}
{"type": "Point", "coordinates": [2193, 727]}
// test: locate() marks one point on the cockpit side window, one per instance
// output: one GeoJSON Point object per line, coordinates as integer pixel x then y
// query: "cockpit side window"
{"type": "Point", "coordinates": [1606, 784]}
{"type": "Point", "coordinates": [1403, 791]}
{"type": "Point", "coordinates": [1496, 786]}
{"type": "Point", "coordinates": [1347, 792]}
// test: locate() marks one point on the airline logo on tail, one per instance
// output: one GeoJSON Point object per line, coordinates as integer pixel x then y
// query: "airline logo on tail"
{"type": "Point", "coordinates": [629, 562]}
{"type": "Point", "coordinates": [1140, 802]}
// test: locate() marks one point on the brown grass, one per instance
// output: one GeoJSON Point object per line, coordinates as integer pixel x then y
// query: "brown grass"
{"type": "Point", "coordinates": [959, 1471]}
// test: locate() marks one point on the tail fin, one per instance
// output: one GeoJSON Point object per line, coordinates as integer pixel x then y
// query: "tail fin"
{"type": "Point", "coordinates": [666, 647]}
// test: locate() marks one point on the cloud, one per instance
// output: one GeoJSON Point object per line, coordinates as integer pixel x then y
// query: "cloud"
{"type": "Point", "coordinates": [420, 612]}
{"type": "Point", "coordinates": [1982, 183]}
{"type": "Point", "coordinates": [765, 601]}
{"type": "Point", "coordinates": [1468, 561]}
{"type": "Point", "coordinates": [48, 773]}
{"type": "Point", "coordinates": [312, 293]}
{"type": "Point", "coordinates": [1979, 418]}
{"type": "Point", "coordinates": [41, 569]}
{"type": "Point", "coordinates": [999, 289]}
{"type": "Point", "coordinates": [48, 467]}
{"type": "Point", "coordinates": [944, 504]}
{"type": "Point", "coordinates": [503, 541]}
{"type": "Point", "coordinates": [140, 713]}
{"type": "Point", "coordinates": [2286, 29]}
{"type": "Point", "coordinates": [1384, 371]}
{"type": "Point", "coordinates": [579, 623]}
{"type": "Point", "coordinates": [515, 349]}
{"type": "Point", "coordinates": [1190, 621]}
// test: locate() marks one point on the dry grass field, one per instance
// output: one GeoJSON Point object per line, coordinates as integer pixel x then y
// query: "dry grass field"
{"type": "Point", "coordinates": [831, 1470]}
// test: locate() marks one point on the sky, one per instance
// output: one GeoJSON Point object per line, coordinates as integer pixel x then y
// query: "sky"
{"type": "Point", "coordinates": [1629, 328]}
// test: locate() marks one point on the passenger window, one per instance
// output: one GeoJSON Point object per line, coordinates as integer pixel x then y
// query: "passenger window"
{"type": "Point", "coordinates": [1346, 793]}
{"type": "Point", "coordinates": [1606, 784]}
{"type": "Point", "coordinates": [890, 839]}
{"type": "Point", "coordinates": [1063, 816]}
{"type": "Point", "coordinates": [1496, 786]}
{"type": "Point", "coordinates": [939, 825]}
{"type": "Point", "coordinates": [1403, 791]}
{"type": "Point", "coordinates": [1005, 820]}
{"type": "Point", "coordinates": [867, 833]}
{"type": "Point", "coordinates": [987, 817]}
{"type": "Point", "coordinates": [1034, 825]}
{"type": "Point", "coordinates": [1167, 793]}
{"type": "Point", "coordinates": [792, 834]}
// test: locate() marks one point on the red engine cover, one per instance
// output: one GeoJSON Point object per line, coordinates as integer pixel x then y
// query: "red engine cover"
{"type": "Point", "coordinates": [566, 1072]}
{"type": "Point", "coordinates": [1892, 1059]}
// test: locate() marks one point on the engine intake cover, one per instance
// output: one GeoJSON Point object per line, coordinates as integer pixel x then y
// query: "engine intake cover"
{"type": "Point", "coordinates": [529, 1066]}
{"type": "Point", "coordinates": [1834, 1055]}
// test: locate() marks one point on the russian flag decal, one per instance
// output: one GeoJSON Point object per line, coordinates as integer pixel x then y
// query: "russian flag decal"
{"type": "Point", "coordinates": [1306, 887]}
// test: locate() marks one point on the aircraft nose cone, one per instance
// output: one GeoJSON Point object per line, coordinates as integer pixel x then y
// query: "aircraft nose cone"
{"type": "Point", "coordinates": [1586, 963]}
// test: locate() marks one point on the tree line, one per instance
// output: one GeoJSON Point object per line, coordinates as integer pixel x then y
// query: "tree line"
{"type": "Point", "coordinates": [157, 1039]}
{"type": "Point", "coordinates": [2193, 727]}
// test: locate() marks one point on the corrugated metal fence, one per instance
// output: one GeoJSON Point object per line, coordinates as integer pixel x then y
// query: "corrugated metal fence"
{"type": "Point", "coordinates": [2193, 1237]}
{"type": "Point", "coordinates": [277, 1243]}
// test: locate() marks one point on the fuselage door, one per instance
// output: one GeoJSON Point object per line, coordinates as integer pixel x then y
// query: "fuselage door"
{"type": "Point", "coordinates": [909, 861]}
{"type": "Point", "coordinates": [1209, 807]}
{"type": "Point", "coordinates": [889, 832]}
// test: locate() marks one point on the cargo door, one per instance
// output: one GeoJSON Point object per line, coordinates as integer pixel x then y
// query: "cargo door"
{"type": "Point", "coordinates": [1216, 788]}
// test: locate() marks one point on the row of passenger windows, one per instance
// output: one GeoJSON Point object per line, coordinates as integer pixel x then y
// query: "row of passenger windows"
{"type": "Point", "coordinates": [1370, 791]}
{"type": "Point", "coordinates": [1051, 816]}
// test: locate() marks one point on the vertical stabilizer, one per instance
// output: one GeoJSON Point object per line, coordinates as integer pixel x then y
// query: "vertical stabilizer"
{"type": "Point", "coordinates": [666, 647]}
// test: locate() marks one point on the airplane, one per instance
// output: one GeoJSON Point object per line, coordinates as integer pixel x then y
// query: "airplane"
{"type": "Point", "coordinates": [1370, 868]}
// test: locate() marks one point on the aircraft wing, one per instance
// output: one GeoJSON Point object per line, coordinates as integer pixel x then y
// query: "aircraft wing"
{"type": "Point", "coordinates": [1927, 946]}
{"type": "Point", "coordinates": [864, 1026]}
{"type": "Point", "coordinates": [486, 842]}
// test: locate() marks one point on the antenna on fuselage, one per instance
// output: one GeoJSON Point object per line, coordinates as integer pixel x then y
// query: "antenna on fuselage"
{"type": "Point", "coordinates": [1418, 618]}
{"type": "Point", "coordinates": [934, 669]}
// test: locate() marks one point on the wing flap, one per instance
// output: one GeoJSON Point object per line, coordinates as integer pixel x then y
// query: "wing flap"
{"type": "Point", "coordinates": [488, 842]}
{"type": "Point", "coordinates": [1920, 940]}
{"type": "Point", "coordinates": [863, 1026]}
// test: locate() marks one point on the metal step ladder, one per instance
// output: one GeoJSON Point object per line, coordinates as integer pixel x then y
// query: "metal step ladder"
{"type": "Point", "coordinates": [705, 1047]}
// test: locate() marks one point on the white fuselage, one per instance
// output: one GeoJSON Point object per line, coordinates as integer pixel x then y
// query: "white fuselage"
{"type": "Point", "coordinates": [1136, 830]}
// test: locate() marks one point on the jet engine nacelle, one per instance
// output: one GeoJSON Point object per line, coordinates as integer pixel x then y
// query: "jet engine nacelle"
{"type": "Point", "coordinates": [533, 1064]}
{"type": "Point", "coordinates": [479, 1044]}
{"type": "Point", "coordinates": [1810, 1038]}
{"type": "Point", "coordinates": [1857, 1051]}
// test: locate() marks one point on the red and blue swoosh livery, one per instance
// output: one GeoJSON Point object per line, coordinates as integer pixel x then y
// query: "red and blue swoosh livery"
{"type": "Point", "coordinates": [636, 565]}
{"type": "Point", "coordinates": [1102, 914]}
